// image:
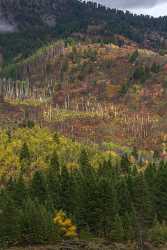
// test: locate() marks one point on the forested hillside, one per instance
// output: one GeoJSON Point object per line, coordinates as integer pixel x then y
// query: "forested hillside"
{"type": "Point", "coordinates": [82, 159]}
{"type": "Point", "coordinates": [46, 20]}
{"type": "Point", "coordinates": [88, 91]}
{"type": "Point", "coordinates": [83, 127]}
{"type": "Point", "coordinates": [65, 190]}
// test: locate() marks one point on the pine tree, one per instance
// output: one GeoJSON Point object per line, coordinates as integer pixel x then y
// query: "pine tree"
{"type": "Point", "coordinates": [19, 192]}
{"type": "Point", "coordinates": [9, 135]}
{"type": "Point", "coordinates": [39, 187]}
{"type": "Point", "coordinates": [25, 153]}
{"type": "Point", "coordinates": [125, 163]}
{"type": "Point", "coordinates": [106, 205]}
{"type": "Point", "coordinates": [129, 225]}
{"type": "Point", "coordinates": [117, 232]}
{"type": "Point", "coordinates": [53, 180]}
{"type": "Point", "coordinates": [158, 232]}
{"type": "Point", "coordinates": [10, 231]}
{"type": "Point", "coordinates": [143, 205]}
{"type": "Point", "coordinates": [161, 193]}
{"type": "Point", "coordinates": [56, 138]}
{"type": "Point", "coordinates": [150, 175]}
{"type": "Point", "coordinates": [134, 56]}
{"type": "Point", "coordinates": [66, 191]}
{"type": "Point", "coordinates": [54, 164]}
{"type": "Point", "coordinates": [124, 197]}
{"type": "Point", "coordinates": [36, 223]}
{"type": "Point", "coordinates": [84, 162]}
{"type": "Point", "coordinates": [86, 196]}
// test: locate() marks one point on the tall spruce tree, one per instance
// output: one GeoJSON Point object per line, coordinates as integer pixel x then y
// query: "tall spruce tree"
{"type": "Point", "coordinates": [117, 232]}
{"type": "Point", "coordinates": [10, 230]}
{"type": "Point", "coordinates": [24, 153]}
{"type": "Point", "coordinates": [36, 223]}
{"type": "Point", "coordinates": [161, 192]}
{"type": "Point", "coordinates": [39, 186]}
{"type": "Point", "coordinates": [125, 163]}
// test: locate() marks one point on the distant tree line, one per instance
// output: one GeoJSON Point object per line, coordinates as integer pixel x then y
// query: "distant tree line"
{"type": "Point", "coordinates": [72, 16]}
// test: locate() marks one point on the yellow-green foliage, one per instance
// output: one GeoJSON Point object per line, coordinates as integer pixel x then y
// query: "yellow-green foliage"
{"type": "Point", "coordinates": [28, 102]}
{"type": "Point", "coordinates": [62, 115]}
{"type": "Point", "coordinates": [41, 144]}
{"type": "Point", "coordinates": [99, 158]}
{"type": "Point", "coordinates": [158, 234]}
{"type": "Point", "coordinates": [65, 224]}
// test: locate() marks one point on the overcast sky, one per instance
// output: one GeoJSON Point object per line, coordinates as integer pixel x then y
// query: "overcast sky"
{"type": "Point", "coordinates": [150, 7]}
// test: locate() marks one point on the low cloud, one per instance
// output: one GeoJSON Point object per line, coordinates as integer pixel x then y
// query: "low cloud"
{"type": "Point", "coordinates": [4, 27]}
{"type": "Point", "coordinates": [131, 4]}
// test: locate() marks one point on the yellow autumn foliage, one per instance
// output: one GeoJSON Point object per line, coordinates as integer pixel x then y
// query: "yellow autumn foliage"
{"type": "Point", "coordinates": [65, 224]}
{"type": "Point", "coordinates": [42, 145]}
{"type": "Point", "coordinates": [72, 166]}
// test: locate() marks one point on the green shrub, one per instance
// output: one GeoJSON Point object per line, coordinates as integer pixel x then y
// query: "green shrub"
{"type": "Point", "coordinates": [133, 56]}
{"type": "Point", "coordinates": [158, 233]}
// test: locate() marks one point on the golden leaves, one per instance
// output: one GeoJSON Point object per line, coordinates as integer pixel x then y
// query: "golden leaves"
{"type": "Point", "coordinates": [65, 224]}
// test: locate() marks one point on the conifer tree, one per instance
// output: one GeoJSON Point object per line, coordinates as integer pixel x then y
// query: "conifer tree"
{"type": "Point", "coordinates": [53, 180]}
{"type": "Point", "coordinates": [117, 232]}
{"type": "Point", "coordinates": [36, 222]}
{"type": "Point", "coordinates": [84, 162]}
{"type": "Point", "coordinates": [19, 192]}
{"type": "Point", "coordinates": [129, 225]}
{"type": "Point", "coordinates": [106, 205]}
{"type": "Point", "coordinates": [161, 193]}
{"type": "Point", "coordinates": [124, 197]}
{"type": "Point", "coordinates": [143, 205]}
{"type": "Point", "coordinates": [134, 56]}
{"type": "Point", "coordinates": [54, 166]}
{"type": "Point", "coordinates": [24, 153]}
{"type": "Point", "coordinates": [10, 231]}
{"type": "Point", "coordinates": [39, 187]}
{"type": "Point", "coordinates": [125, 163]}
{"type": "Point", "coordinates": [66, 190]}
{"type": "Point", "coordinates": [56, 138]}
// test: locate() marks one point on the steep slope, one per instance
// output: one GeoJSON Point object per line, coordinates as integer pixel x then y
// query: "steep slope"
{"type": "Point", "coordinates": [120, 73]}
{"type": "Point", "coordinates": [40, 21]}
{"type": "Point", "coordinates": [92, 91]}
{"type": "Point", "coordinates": [97, 82]}
{"type": "Point", "coordinates": [33, 14]}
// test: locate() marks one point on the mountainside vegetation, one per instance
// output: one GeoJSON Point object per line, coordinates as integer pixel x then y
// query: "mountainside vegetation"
{"type": "Point", "coordinates": [38, 22]}
{"type": "Point", "coordinates": [83, 127]}
{"type": "Point", "coordinates": [53, 189]}
{"type": "Point", "coordinates": [88, 91]}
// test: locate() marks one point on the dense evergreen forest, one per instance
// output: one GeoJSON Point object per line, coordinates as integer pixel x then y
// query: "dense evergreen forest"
{"type": "Point", "coordinates": [74, 198]}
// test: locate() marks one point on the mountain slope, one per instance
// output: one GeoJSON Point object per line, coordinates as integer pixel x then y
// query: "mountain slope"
{"type": "Point", "coordinates": [97, 80]}
{"type": "Point", "coordinates": [36, 22]}
{"type": "Point", "coordinates": [34, 14]}
{"type": "Point", "coordinates": [92, 91]}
